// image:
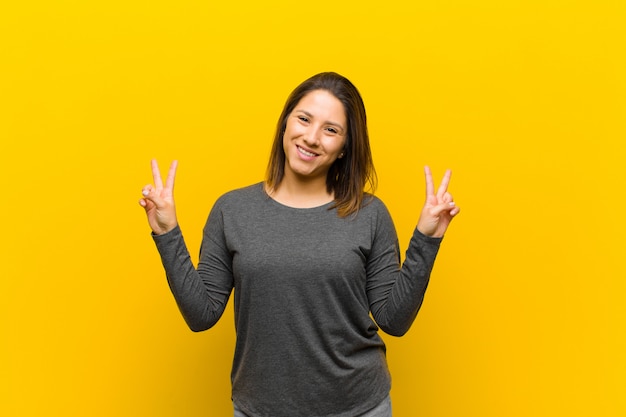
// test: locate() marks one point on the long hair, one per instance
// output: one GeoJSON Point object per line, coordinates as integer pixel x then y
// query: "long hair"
{"type": "Point", "coordinates": [348, 176]}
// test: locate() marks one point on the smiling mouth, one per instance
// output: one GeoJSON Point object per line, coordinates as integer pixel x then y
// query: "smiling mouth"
{"type": "Point", "coordinates": [305, 152]}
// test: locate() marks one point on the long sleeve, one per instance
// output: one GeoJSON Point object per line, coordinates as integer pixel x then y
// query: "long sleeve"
{"type": "Point", "coordinates": [396, 293]}
{"type": "Point", "coordinates": [202, 293]}
{"type": "Point", "coordinates": [306, 285]}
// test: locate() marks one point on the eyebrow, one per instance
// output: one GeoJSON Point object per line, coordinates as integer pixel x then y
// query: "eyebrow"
{"type": "Point", "coordinates": [327, 122]}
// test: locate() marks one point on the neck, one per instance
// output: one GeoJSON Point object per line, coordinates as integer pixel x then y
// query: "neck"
{"type": "Point", "coordinates": [302, 193]}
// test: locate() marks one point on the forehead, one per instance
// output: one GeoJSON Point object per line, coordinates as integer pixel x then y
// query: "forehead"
{"type": "Point", "coordinates": [322, 104]}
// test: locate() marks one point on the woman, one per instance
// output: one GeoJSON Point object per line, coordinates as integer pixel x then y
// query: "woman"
{"type": "Point", "coordinates": [310, 256]}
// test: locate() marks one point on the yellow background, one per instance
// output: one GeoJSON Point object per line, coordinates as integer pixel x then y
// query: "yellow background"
{"type": "Point", "coordinates": [524, 100]}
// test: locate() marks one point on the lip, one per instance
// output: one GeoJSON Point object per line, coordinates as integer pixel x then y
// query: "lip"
{"type": "Point", "coordinates": [306, 156]}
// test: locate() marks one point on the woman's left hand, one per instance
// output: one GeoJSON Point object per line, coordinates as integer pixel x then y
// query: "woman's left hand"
{"type": "Point", "coordinates": [439, 209]}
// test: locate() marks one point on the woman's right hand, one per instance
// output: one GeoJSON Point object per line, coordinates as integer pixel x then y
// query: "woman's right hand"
{"type": "Point", "coordinates": [158, 201]}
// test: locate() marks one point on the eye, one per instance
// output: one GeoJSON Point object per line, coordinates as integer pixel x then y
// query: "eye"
{"type": "Point", "coordinates": [303, 119]}
{"type": "Point", "coordinates": [332, 130]}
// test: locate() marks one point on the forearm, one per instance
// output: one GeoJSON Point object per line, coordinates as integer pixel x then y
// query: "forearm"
{"type": "Point", "coordinates": [200, 301]}
{"type": "Point", "coordinates": [397, 311]}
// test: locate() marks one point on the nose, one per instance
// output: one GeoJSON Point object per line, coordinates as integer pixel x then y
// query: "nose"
{"type": "Point", "coordinates": [311, 136]}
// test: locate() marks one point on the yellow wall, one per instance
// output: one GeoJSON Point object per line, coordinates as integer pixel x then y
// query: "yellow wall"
{"type": "Point", "coordinates": [525, 101]}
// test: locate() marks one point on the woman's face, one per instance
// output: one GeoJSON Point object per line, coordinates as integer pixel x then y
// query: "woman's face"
{"type": "Point", "coordinates": [315, 135]}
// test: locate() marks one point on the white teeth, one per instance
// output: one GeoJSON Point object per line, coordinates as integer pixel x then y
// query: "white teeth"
{"type": "Point", "coordinates": [303, 152]}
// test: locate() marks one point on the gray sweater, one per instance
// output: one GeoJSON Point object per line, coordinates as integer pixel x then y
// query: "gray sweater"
{"type": "Point", "coordinates": [305, 284]}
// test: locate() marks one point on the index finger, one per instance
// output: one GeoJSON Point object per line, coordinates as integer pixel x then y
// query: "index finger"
{"type": "Point", "coordinates": [156, 174]}
{"type": "Point", "coordinates": [430, 187]}
{"type": "Point", "coordinates": [443, 187]}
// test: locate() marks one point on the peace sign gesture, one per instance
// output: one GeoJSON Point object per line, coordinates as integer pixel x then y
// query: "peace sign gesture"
{"type": "Point", "coordinates": [439, 209]}
{"type": "Point", "coordinates": [159, 201]}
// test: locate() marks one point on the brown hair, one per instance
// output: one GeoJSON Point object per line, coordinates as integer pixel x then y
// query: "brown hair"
{"type": "Point", "coordinates": [347, 176]}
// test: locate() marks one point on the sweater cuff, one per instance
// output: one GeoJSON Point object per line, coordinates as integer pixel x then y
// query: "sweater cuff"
{"type": "Point", "coordinates": [168, 237]}
{"type": "Point", "coordinates": [429, 240]}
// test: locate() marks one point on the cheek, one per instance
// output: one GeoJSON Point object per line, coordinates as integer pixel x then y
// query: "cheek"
{"type": "Point", "coordinates": [287, 132]}
{"type": "Point", "coordinates": [336, 145]}
{"type": "Point", "coordinates": [294, 129]}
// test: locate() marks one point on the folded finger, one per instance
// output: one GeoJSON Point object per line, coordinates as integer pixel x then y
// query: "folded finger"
{"type": "Point", "coordinates": [147, 190]}
{"type": "Point", "coordinates": [444, 207]}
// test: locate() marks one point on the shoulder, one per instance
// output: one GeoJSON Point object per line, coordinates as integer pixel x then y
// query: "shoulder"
{"type": "Point", "coordinates": [237, 204]}
{"type": "Point", "coordinates": [372, 212]}
{"type": "Point", "coordinates": [375, 213]}
{"type": "Point", "coordinates": [240, 199]}
{"type": "Point", "coordinates": [247, 195]}
{"type": "Point", "coordinates": [372, 205]}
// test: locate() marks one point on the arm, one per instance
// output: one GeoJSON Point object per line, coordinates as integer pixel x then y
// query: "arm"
{"type": "Point", "coordinates": [396, 293]}
{"type": "Point", "coordinates": [201, 294]}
